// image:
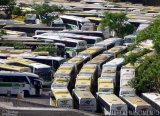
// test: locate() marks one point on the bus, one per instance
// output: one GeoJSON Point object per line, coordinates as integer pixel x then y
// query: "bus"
{"type": "Point", "coordinates": [15, 33]}
{"type": "Point", "coordinates": [153, 99]}
{"type": "Point", "coordinates": [129, 39]}
{"type": "Point", "coordinates": [53, 62]}
{"type": "Point", "coordinates": [66, 69]}
{"type": "Point", "coordinates": [77, 23]}
{"type": "Point", "coordinates": [83, 83]}
{"type": "Point", "coordinates": [91, 40]}
{"type": "Point", "coordinates": [61, 98]}
{"type": "Point", "coordinates": [12, 82]}
{"type": "Point", "coordinates": [105, 85]}
{"type": "Point", "coordinates": [137, 105]}
{"type": "Point", "coordinates": [111, 104]}
{"type": "Point", "coordinates": [111, 70]}
{"type": "Point", "coordinates": [90, 70]}
{"type": "Point", "coordinates": [7, 67]}
{"type": "Point", "coordinates": [100, 60]}
{"type": "Point", "coordinates": [100, 34]}
{"type": "Point", "coordinates": [72, 46]}
{"type": "Point", "coordinates": [91, 52]}
{"type": "Point", "coordinates": [44, 71]}
{"type": "Point", "coordinates": [78, 61]}
{"type": "Point", "coordinates": [61, 82]}
{"type": "Point", "coordinates": [84, 100]}
{"type": "Point", "coordinates": [117, 50]}
{"type": "Point", "coordinates": [109, 43]}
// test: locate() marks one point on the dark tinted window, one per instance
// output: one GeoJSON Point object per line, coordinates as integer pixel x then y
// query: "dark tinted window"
{"type": "Point", "coordinates": [5, 79]}
{"type": "Point", "coordinates": [20, 79]}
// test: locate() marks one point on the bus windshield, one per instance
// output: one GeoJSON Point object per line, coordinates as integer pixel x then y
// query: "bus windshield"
{"type": "Point", "coordinates": [45, 73]}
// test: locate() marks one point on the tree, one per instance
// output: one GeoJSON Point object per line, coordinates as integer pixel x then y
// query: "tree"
{"type": "Point", "coordinates": [46, 12]}
{"type": "Point", "coordinates": [47, 48]}
{"type": "Point", "coordinates": [6, 2]}
{"type": "Point", "coordinates": [117, 22]}
{"type": "Point", "coordinates": [17, 11]}
{"type": "Point", "coordinates": [148, 74]}
{"type": "Point", "coordinates": [10, 4]}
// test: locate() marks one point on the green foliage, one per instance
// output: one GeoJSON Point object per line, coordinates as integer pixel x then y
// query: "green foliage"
{"type": "Point", "coordinates": [44, 10]}
{"type": "Point", "coordinates": [148, 75]}
{"type": "Point", "coordinates": [117, 23]}
{"type": "Point", "coordinates": [132, 58]}
{"type": "Point", "coordinates": [6, 2]}
{"type": "Point", "coordinates": [48, 48]}
{"type": "Point", "coordinates": [151, 32]}
{"type": "Point", "coordinates": [17, 11]}
{"type": "Point", "coordinates": [16, 45]}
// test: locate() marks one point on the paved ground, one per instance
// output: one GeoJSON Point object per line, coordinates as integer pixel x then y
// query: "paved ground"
{"type": "Point", "coordinates": [43, 99]}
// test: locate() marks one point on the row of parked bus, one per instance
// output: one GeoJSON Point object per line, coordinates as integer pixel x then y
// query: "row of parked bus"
{"type": "Point", "coordinates": [101, 83]}
{"type": "Point", "coordinates": [87, 67]}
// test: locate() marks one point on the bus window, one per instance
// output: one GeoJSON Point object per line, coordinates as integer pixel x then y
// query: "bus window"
{"type": "Point", "coordinates": [70, 44]}
{"type": "Point", "coordinates": [5, 79]}
{"type": "Point", "coordinates": [21, 79]}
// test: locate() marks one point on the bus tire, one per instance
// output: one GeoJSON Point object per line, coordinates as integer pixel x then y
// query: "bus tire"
{"type": "Point", "coordinates": [26, 93]}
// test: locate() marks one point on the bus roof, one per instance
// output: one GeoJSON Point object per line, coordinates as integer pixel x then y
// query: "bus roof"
{"type": "Point", "coordinates": [99, 59]}
{"type": "Point", "coordinates": [116, 61]}
{"type": "Point", "coordinates": [135, 100]}
{"type": "Point", "coordinates": [30, 55]}
{"type": "Point", "coordinates": [83, 94]}
{"type": "Point", "coordinates": [117, 49]}
{"type": "Point", "coordinates": [94, 18]}
{"type": "Point", "coordinates": [61, 94]}
{"type": "Point", "coordinates": [27, 62]}
{"type": "Point", "coordinates": [52, 36]}
{"type": "Point", "coordinates": [111, 99]}
{"type": "Point", "coordinates": [76, 60]}
{"type": "Point", "coordinates": [76, 18]}
{"type": "Point", "coordinates": [14, 73]}
{"type": "Point", "coordinates": [15, 68]}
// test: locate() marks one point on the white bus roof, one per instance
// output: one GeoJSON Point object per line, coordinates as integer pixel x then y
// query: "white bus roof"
{"type": "Point", "coordinates": [25, 55]}
{"type": "Point", "coordinates": [154, 97]}
{"type": "Point", "coordinates": [4, 61]}
{"type": "Point", "coordinates": [76, 36]}
{"type": "Point", "coordinates": [52, 36]}
{"type": "Point", "coordinates": [115, 61]}
{"type": "Point", "coordinates": [109, 41]}
{"type": "Point", "coordinates": [79, 19]}
{"type": "Point", "coordinates": [15, 73]}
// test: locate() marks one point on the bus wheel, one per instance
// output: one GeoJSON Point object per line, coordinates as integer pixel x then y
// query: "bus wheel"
{"type": "Point", "coordinates": [26, 93]}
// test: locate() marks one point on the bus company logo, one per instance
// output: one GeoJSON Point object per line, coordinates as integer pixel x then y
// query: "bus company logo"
{"type": "Point", "coordinates": [119, 108]}
{"type": "Point", "coordinates": [88, 102]}
{"type": "Point", "coordinates": [64, 102]}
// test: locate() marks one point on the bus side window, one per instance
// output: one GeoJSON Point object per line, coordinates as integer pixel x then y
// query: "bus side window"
{"type": "Point", "coordinates": [21, 79]}
{"type": "Point", "coordinates": [6, 78]}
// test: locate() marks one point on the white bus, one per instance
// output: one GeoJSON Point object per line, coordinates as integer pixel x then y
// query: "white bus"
{"type": "Point", "coordinates": [111, 104]}
{"type": "Point", "coordinates": [100, 34]}
{"type": "Point", "coordinates": [15, 82]}
{"type": "Point", "coordinates": [109, 43]}
{"type": "Point", "coordinates": [101, 59]}
{"type": "Point", "coordinates": [117, 50]}
{"type": "Point", "coordinates": [52, 61]}
{"type": "Point", "coordinates": [154, 99]}
{"type": "Point", "coordinates": [91, 40]}
{"type": "Point", "coordinates": [44, 71]}
{"type": "Point", "coordinates": [61, 98]}
{"type": "Point", "coordinates": [137, 105]}
{"type": "Point", "coordinates": [72, 45]}
{"type": "Point", "coordinates": [84, 100]}
{"type": "Point", "coordinates": [77, 23]}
